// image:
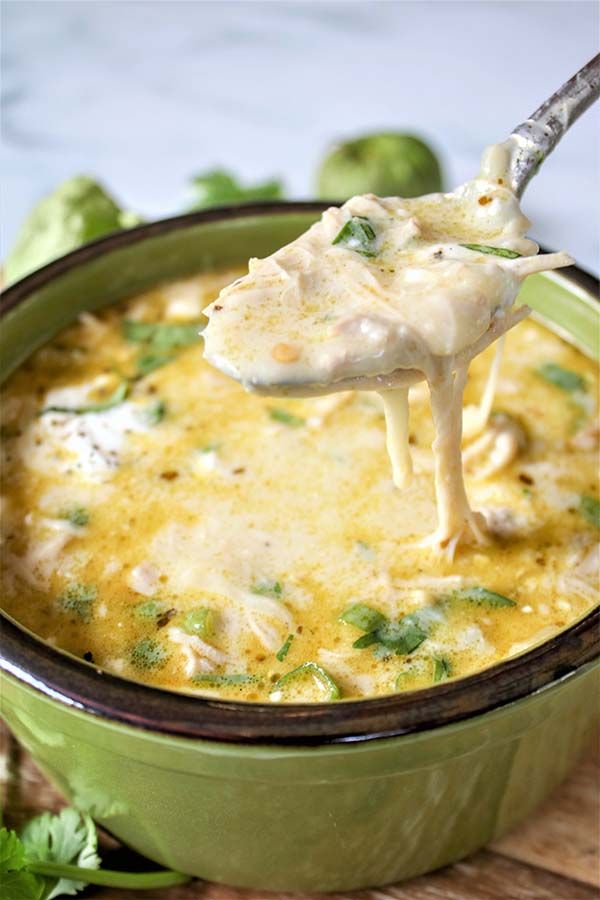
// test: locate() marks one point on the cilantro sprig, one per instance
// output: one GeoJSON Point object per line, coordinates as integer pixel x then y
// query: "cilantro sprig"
{"type": "Point", "coordinates": [56, 856]}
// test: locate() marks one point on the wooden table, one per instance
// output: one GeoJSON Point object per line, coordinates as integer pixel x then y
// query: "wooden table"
{"type": "Point", "coordinates": [553, 856]}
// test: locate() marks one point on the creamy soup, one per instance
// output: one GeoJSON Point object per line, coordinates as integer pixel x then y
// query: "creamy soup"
{"type": "Point", "coordinates": [166, 525]}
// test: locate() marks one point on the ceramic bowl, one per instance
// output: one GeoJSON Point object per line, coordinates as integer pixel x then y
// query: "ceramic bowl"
{"type": "Point", "coordinates": [301, 797]}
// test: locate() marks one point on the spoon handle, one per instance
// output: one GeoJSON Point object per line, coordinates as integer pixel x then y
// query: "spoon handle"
{"type": "Point", "coordinates": [534, 140]}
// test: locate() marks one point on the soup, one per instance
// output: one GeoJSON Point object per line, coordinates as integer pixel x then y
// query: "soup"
{"type": "Point", "coordinates": [165, 525]}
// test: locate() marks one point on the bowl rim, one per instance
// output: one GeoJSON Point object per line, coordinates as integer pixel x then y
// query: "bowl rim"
{"type": "Point", "coordinates": [74, 683]}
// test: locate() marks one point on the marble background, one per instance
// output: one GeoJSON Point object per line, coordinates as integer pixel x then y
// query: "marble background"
{"type": "Point", "coordinates": [144, 94]}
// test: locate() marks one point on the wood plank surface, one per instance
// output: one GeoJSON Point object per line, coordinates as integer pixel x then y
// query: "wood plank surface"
{"type": "Point", "coordinates": [553, 856]}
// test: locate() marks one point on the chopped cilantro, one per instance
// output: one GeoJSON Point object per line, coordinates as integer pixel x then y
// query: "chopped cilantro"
{"type": "Point", "coordinates": [493, 251]}
{"type": "Point", "coordinates": [286, 418]}
{"type": "Point", "coordinates": [148, 362]}
{"type": "Point", "coordinates": [359, 235]}
{"type": "Point", "coordinates": [399, 637]}
{"type": "Point", "coordinates": [150, 609]}
{"type": "Point", "coordinates": [442, 668]}
{"type": "Point", "coordinates": [267, 588]}
{"type": "Point", "coordinates": [115, 399]}
{"type": "Point", "coordinates": [589, 508]}
{"type": "Point", "coordinates": [154, 413]}
{"type": "Point", "coordinates": [285, 648]}
{"type": "Point", "coordinates": [76, 515]}
{"type": "Point", "coordinates": [148, 654]}
{"type": "Point", "coordinates": [79, 598]}
{"type": "Point", "coordinates": [564, 379]}
{"type": "Point", "coordinates": [362, 616]}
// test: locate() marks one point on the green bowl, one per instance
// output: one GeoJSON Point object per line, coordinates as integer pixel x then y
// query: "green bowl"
{"type": "Point", "coordinates": [323, 797]}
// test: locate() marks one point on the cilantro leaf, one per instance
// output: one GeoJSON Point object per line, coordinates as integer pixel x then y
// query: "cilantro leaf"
{"type": "Point", "coordinates": [162, 337]}
{"type": "Point", "coordinates": [362, 616]}
{"type": "Point", "coordinates": [442, 668]}
{"type": "Point", "coordinates": [22, 886]}
{"type": "Point", "coordinates": [12, 851]}
{"type": "Point", "coordinates": [359, 235]}
{"type": "Point", "coordinates": [564, 379]}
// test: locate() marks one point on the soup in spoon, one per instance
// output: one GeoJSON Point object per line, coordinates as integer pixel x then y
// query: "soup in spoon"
{"type": "Point", "coordinates": [380, 294]}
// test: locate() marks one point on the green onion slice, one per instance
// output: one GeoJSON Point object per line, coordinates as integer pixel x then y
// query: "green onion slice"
{"type": "Point", "coordinates": [162, 336]}
{"type": "Point", "coordinates": [317, 672]}
{"type": "Point", "coordinates": [285, 648]}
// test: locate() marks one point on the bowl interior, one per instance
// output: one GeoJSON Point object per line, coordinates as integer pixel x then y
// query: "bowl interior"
{"type": "Point", "coordinates": [126, 263]}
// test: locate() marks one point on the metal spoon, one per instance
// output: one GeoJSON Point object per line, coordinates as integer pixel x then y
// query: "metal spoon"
{"type": "Point", "coordinates": [527, 147]}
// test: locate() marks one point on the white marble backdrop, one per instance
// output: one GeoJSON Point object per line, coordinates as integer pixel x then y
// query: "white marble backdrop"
{"type": "Point", "coordinates": [143, 94]}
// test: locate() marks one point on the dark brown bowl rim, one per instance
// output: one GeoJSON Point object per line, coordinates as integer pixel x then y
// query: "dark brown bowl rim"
{"type": "Point", "coordinates": [77, 684]}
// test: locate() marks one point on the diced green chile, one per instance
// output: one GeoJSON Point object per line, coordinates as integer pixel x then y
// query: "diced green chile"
{"type": "Point", "coordinates": [565, 379]}
{"type": "Point", "coordinates": [309, 668]}
{"type": "Point", "coordinates": [482, 597]}
{"type": "Point", "coordinates": [362, 616]}
{"type": "Point", "coordinates": [200, 621]}
{"type": "Point", "coordinates": [115, 399]}
{"type": "Point", "coordinates": [359, 235]}
{"type": "Point", "coordinates": [589, 508]}
{"type": "Point", "coordinates": [492, 251]}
